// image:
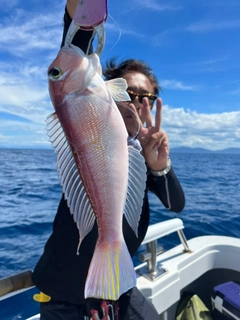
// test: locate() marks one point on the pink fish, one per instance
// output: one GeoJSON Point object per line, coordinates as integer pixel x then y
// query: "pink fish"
{"type": "Point", "coordinates": [102, 178]}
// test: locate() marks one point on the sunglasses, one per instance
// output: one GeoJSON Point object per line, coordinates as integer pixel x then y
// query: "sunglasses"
{"type": "Point", "coordinates": [133, 95]}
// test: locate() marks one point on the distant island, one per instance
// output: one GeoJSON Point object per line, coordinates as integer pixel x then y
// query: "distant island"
{"type": "Point", "coordinates": [202, 150]}
{"type": "Point", "coordinates": [172, 150]}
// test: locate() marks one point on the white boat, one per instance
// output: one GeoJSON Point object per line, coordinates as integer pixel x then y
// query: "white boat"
{"type": "Point", "coordinates": [196, 265]}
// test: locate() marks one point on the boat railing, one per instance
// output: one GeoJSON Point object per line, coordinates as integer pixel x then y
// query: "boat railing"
{"type": "Point", "coordinates": [156, 231]}
{"type": "Point", "coordinates": [152, 271]}
{"type": "Point", "coordinates": [16, 282]}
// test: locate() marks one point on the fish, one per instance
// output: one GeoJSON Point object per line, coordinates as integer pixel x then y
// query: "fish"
{"type": "Point", "coordinates": [102, 177]}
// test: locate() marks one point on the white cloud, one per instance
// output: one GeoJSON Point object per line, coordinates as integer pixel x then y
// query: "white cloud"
{"type": "Point", "coordinates": [168, 38]}
{"type": "Point", "coordinates": [8, 5]}
{"type": "Point", "coordinates": [21, 34]}
{"type": "Point", "coordinates": [154, 5]}
{"type": "Point", "coordinates": [236, 92]}
{"type": "Point", "coordinates": [184, 128]}
{"type": "Point", "coordinates": [177, 85]}
{"type": "Point", "coordinates": [211, 26]}
{"type": "Point", "coordinates": [211, 65]}
{"type": "Point", "coordinates": [3, 138]}
{"type": "Point", "coordinates": [23, 134]}
{"type": "Point", "coordinates": [211, 131]}
{"type": "Point", "coordinates": [213, 61]}
{"type": "Point", "coordinates": [133, 34]}
{"type": "Point", "coordinates": [114, 27]}
{"type": "Point", "coordinates": [165, 38]}
{"type": "Point", "coordinates": [218, 3]}
{"type": "Point", "coordinates": [24, 93]}
{"type": "Point", "coordinates": [31, 43]}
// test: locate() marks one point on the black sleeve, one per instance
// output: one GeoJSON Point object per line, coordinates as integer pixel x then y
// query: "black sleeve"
{"type": "Point", "coordinates": [81, 38]}
{"type": "Point", "coordinates": [168, 189]}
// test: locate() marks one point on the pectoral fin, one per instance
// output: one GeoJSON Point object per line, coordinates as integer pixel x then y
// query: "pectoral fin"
{"type": "Point", "coordinates": [117, 88]}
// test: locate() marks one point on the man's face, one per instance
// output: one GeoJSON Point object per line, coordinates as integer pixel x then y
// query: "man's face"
{"type": "Point", "coordinates": [133, 113]}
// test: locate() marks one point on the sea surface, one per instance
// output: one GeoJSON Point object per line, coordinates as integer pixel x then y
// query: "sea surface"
{"type": "Point", "coordinates": [30, 193]}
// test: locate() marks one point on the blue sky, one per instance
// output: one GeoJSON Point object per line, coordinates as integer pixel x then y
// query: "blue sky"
{"type": "Point", "coordinates": [192, 46]}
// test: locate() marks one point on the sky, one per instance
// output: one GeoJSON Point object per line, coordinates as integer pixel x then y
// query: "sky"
{"type": "Point", "coordinates": [192, 46]}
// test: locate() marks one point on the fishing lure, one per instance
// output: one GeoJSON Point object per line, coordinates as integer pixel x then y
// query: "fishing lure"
{"type": "Point", "coordinates": [89, 15]}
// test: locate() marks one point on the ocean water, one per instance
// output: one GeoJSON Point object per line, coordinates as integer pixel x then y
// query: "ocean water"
{"type": "Point", "coordinates": [30, 193]}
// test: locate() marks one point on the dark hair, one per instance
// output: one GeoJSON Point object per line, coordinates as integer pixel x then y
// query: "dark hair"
{"type": "Point", "coordinates": [114, 70]}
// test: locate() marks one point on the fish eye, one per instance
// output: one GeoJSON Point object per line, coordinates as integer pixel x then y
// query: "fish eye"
{"type": "Point", "coordinates": [54, 73]}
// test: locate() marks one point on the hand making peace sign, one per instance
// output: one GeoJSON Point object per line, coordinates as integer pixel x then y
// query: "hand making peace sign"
{"type": "Point", "coordinates": [154, 141]}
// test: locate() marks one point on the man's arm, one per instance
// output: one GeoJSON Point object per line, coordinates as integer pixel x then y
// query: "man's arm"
{"type": "Point", "coordinates": [168, 189]}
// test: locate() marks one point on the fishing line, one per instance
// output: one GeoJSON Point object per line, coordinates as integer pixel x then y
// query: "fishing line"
{"type": "Point", "coordinates": [118, 39]}
{"type": "Point", "coordinates": [120, 33]}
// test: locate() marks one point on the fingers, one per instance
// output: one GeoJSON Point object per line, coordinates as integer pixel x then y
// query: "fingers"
{"type": "Point", "coordinates": [158, 115]}
{"type": "Point", "coordinates": [147, 116]}
{"type": "Point", "coordinates": [146, 113]}
{"type": "Point", "coordinates": [158, 139]}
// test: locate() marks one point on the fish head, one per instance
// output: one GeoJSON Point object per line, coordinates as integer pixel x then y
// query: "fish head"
{"type": "Point", "coordinates": [71, 72]}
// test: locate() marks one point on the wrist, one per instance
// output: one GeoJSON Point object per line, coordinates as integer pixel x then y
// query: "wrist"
{"type": "Point", "coordinates": [163, 172]}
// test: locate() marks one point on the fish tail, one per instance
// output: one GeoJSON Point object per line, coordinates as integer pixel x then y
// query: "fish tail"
{"type": "Point", "coordinates": [111, 272]}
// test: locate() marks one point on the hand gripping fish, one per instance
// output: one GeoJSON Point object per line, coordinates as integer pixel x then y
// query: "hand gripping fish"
{"type": "Point", "coordinates": [102, 178]}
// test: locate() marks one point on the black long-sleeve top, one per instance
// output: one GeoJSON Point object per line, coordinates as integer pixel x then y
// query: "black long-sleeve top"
{"type": "Point", "coordinates": [60, 272]}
